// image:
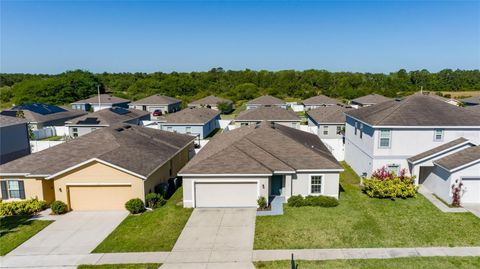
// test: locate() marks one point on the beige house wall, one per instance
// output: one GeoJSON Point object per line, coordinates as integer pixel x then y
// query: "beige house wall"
{"type": "Point", "coordinates": [34, 188]}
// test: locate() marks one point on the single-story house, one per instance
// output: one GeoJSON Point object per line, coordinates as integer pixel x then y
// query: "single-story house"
{"type": "Point", "coordinates": [387, 134]}
{"type": "Point", "coordinates": [319, 101]}
{"type": "Point", "coordinates": [40, 115]}
{"type": "Point", "coordinates": [14, 138]}
{"type": "Point", "coordinates": [270, 114]}
{"type": "Point", "coordinates": [104, 118]}
{"type": "Point", "coordinates": [461, 166]}
{"type": "Point", "coordinates": [99, 171]}
{"type": "Point", "coordinates": [199, 122]}
{"type": "Point", "coordinates": [99, 102]}
{"type": "Point", "coordinates": [163, 103]}
{"type": "Point", "coordinates": [328, 123]}
{"type": "Point", "coordinates": [237, 167]}
{"type": "Point", "coordinates": [212, 102]}
{"type": "Point", "coordinates": [471, 101]}
{"type": "Point", "coordinates": [267, 101]}
{"type": "Point", "coordinates": [368, 100]}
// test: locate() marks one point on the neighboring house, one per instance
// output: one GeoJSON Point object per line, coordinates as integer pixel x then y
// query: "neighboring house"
{"type": "Point", "coordinates": [328, 123]}
{"type": "Point", "coordinates": [266, 101]}
{"type": "Point", "coordinates": [97, 102]}
{"type": "Point", "coordinates": [199, 122]}
{"type": "Point", "coordinates": [212, 102]}
{"type": "Point", "coordinates": [387, 134]}
{"type": "Point", "coordinates": [40, 115]}
{"type": "Point", "coordinates": [269, 114]}
{"type": "Point", "coordinates": [14, 138]}
{"type": "Point", "coordinates": [441, 167]}
{"type": "Point", "coordinates": [319, 101]}
{"type": "Point", "coordinates": [451, 101]}
{"type": "Point", "coordinates": [104, 118]}
{"type": "Point", "coordinates": [163, 103]}
{"type": "Point", "coordinates": [471, 101]}
{"type": "Point", "coordinates": [237, 167]}
{"type": "Point", "coordinates": [99, 171]}
{"type": "Point", "coordinates": [368, 100]}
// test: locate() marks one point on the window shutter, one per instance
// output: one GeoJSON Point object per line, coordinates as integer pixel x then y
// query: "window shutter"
{"type": "Point", "coordinates": [21, 189]}
{"type": "Point", "coordinates": [3, 185]}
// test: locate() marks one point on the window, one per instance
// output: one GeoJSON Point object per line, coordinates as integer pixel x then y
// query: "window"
{"type": "Point", "coordinates": [339, 130]}
{"type": "Point", "coordinates": [395, 168]}
{"type": "Point", "coordinates": [325, 130]}
{"type": "Point", "coordinates": [385, 138]}
{"type": "Point", "coordinates": [316, 184]}
{"type": "Point", "coordinates": [12, 189]}
{"type": "Point", "coordinates": [188, 129]}
{"type": "Point", "coordinates": [361, 130]}
{"type": "Point", "coordinates": [75, 132]}
{"type": "Point", "coordinates": [243, 123]}
{"type": "Point", "coordinates": [356, 127]}
{"type": "Point", "coordinates": [438, 135]}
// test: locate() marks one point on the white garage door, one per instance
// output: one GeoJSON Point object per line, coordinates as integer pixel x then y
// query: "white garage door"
{"type": "Point", "coordinates": [472, 190]}
{"type": "Point", "coordinates": [223, 194]}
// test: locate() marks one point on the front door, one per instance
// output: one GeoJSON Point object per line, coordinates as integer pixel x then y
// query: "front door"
{"type": "Point", "coordinates": [277, 184]}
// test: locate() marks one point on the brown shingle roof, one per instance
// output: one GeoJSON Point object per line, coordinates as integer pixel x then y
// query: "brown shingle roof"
{"type": "Point", "coordinates": [266, 100]}
{"type": "Point", "coordinates": [371, 99]}
{"type": "Point", "coordinates": [198, 115]}
{"type": "Point", "coordinates": [8, 120]}
{"type": "Point", "coordinates": [156, 100]}
{"type": "Point", "coordinates": [261, 149]}
{"type": "Point", "coordinates": [104, 99]}
{"type": "Point", "coordinates": [320, 100]}
{"type": "Point", "coordinates": [267, 114]}
{"type": "Point", "coordinates": [108, 117]}
{"type": "Point", "coordinates": [137, 149]}
{"type": "Point", "coordinates": [210, 100]}
{"type": "Point", "coordinates": [474, 109]}
{"type": "Point", "coordinates": [460, 158]}
{"type": "Point", "coordinates": [415, 110]}
{"type": "Point", "coordinates": [328, 114]}
{"type": "Point", "coordinates": [438, 149]}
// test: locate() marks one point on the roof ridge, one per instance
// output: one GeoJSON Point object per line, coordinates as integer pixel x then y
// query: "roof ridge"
{"type": "Point", "coordinates": [395, 109]}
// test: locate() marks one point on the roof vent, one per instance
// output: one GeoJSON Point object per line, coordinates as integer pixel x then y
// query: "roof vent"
{"type": "Point", "coordinates": [127, 126]}
{"type": "Point", "coordinates": [118, 129]}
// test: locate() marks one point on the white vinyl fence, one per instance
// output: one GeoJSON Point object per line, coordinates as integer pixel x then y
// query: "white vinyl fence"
{"type": "Point", "coordinates": [36, 145]}
{"type": "Point", "coordinates": [49, 131]}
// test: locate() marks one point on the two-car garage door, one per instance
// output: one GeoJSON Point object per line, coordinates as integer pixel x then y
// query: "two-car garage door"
{"type": "Point", "coordinates": [95, 197]}
{"type": "Point", "coordinates": [472, 190]}
{"type": "Point", "coordinates": [226, 194]}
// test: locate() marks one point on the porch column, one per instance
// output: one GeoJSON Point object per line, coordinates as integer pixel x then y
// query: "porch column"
{"type": "Point", "coordinates": [288, 186]}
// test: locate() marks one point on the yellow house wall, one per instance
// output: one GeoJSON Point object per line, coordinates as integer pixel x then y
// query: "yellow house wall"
{"type": "Point", "coordinates": [33, 188]}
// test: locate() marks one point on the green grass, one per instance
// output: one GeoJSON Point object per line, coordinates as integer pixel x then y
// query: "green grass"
{"type": "Point", "coordinates": [52, 138]}
{"type": "Point", "coordinates": [360, 221]}
{"type": "Point", "coordinates": [398, 263]}
{"type": "Point", "coordinates": [155, 230]}
{"type": "Point", "coordinates": [14, 230]}
{"type": "Point", "coordinates": [121, 266]}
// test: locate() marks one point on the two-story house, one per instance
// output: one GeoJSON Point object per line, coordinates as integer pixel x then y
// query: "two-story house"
{"type": "Point", "coordinates": [387, 134]}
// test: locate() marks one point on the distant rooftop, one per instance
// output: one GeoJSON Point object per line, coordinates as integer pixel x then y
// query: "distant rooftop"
{"type": "Point", "coordinates": [105, 99]}
{"type": "Point", "coordinates": [108, 117]}
{"type": "Point", "coordinates": [198, 115]}
{"type": "Point", "coordinates": [475, 100]}
{"type": "Point", "coordinates": [320, 100]}
{"type": "Point", "coordinates": [266, 100]}
{"type": "Point", "coordinates": [371, 99]}
{"type": "Point", "coordinates": [273, 113]}
{"type": "Point", "coordinates": [211, 100]}
{"type": "Point", "coordinates": [329, 114]}
{"type": "Point", "coordinates": [156, 100]}
{"type": "Point", "coordinates": [41, 113]}
{"type": "Point", "coordinates": [7, 121]}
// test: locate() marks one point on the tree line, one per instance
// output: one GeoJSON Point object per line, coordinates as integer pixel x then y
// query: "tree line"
{"type": "Point", "coordinates": [242, 85]}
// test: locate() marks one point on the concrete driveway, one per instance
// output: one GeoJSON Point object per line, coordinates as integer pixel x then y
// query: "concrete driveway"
{"type": "Point", "coordinates": [474, 208]}
{"type": "Point", "coordinates": [77, 232]}
{"type": "Point", "coordinates": [215, 236]}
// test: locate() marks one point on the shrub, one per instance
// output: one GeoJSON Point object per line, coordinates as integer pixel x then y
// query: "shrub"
{"type": "Point", "coordinates": [135, 206]}
{"type": "Point", "coordinates": [262, 202]}
{"type": "Point", "coordinates": [58, 207]}
{"type": "Point", "coordinates": [25, 207]}
{"type": "Point", "coordinates": [154, 200]}
{"type": "Point", "coordinates": [295, 201]}
{"type": "Point", "coordinates": [386, 184]}
{"type": "Point", "coordinates": [320, 200]}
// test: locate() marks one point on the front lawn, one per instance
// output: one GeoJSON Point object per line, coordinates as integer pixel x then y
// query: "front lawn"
{"type": "Point", "coordinates": [122, 266]}
{"type": "Point", "coordinates": [156, 230]}
{"type": "Point", "coordinates": [398, 263]}
{"type": "Point", "coordinates": [360, 221]}
{"type": "Point", "coordinates": [14, 230]}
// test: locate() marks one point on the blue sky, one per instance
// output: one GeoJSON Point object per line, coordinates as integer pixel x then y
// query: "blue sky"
{"type": "Point", "coordinates": [148, 36]}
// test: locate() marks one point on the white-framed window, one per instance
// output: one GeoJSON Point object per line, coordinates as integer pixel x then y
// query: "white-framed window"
{"type": "Point", "coordinates": [438, 135]}
{"type": "Point", "coordinates": [316, 184]}
{"type": "Point", "coordinates": [325, 130]}
{"type": "Point", "coordinates": [75, 132]}
{"type": "Point", "coordinates": [385, 138]}
{"type": "Point", "coordinates": [12, 189]}
{"type": "Point", "coordinates": [188, 129]}
{"type": "Point", "coordinates": [395, 168]}
{"type": "Point", "coordinates": [339, 130]}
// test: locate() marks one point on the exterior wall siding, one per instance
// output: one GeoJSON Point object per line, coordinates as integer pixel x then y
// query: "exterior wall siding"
{"type": "Point", "coordinates": [301, 183]}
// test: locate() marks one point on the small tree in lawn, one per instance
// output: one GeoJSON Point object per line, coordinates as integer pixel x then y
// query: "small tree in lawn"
{"type": "Point", "coordinates": [456, 193]}
{"type": "Point", "coordinates": [223, 107]}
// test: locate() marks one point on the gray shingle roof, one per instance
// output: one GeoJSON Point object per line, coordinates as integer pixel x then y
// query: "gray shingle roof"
{"type": "Point", "coordinates": [194, 115]}
{"type": "Point", "coordinates": [108, 117]}
{"type": "Point", "coordinates": [475, 100]}
{"type": "Point", "coordinates": [261, 149]}
{"type": "Point", "coordinates": [266, 100]}
{"type": "Point", "coordinates": [210, 100]}
{"type": "Point", "coordinates": [43, 113]}
{"type": "Point", "coordinates": [104, 99]}
{"type": "Point", "coordinates": [8, 120]}
{"type": "Point", "coordinates": [460, 158]}
{"type": "Point", "coordinates": [438, 149]}
{"type": "Point", "coordinates": [371, 99]}
{"type": "Point", "coordinates": [156, 100]}
{"type": "Point", "coordinates": [415, 110]}
{"type": "Point", "coordinates": [137, 149]}
{"type": "Point", "coordinates": [328, 114]}
{"type": "Point", "coordinates": [268, 114]}
{"type": "Point", "coordinates": [320, 100]}
{"type": "Point", "coordinates": [474, 109]}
